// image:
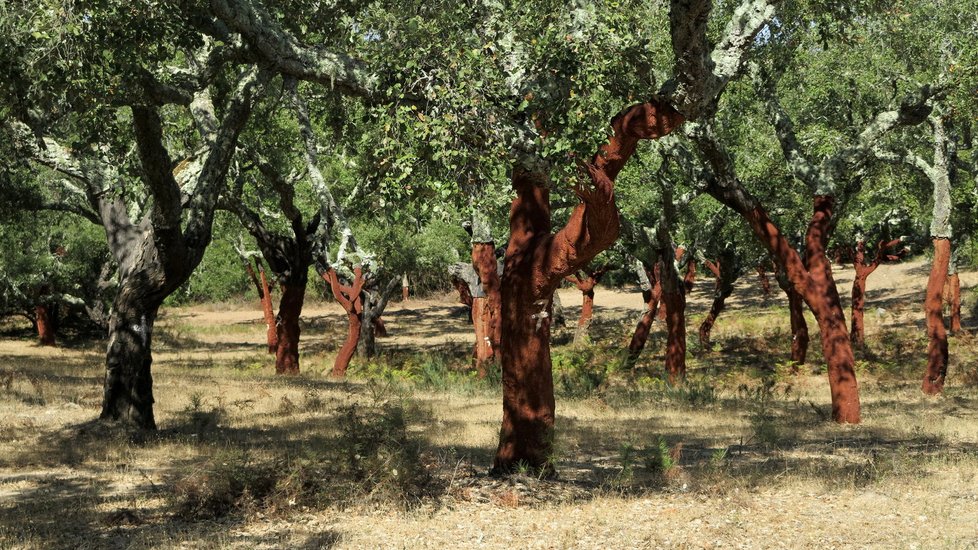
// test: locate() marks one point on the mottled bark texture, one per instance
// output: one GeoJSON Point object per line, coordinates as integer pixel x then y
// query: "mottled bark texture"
{"type": "Point", "coordinates": [937, 350]}
{"type": "Point", "coordinates": [585, 280]}
{"type": "Point", "coordinates": [725, 272]}
{"type": "Point", "coordinates": [536, 261]}
{"type": "Point", "coordinates": [375, 299]}
{"type": "Point", "coordinates": [260, 280]}
{"type": "Point", "coordinates": [348, 296]}
{"type": "Point", "coordinates": [857, 332]}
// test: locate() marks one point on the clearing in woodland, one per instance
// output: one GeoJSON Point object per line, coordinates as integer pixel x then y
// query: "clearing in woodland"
{"type": "Point", "coordinates": [396, 456]}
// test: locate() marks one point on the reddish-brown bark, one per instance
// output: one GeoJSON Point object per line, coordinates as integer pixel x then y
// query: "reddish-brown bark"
{"type": "Point", "coordinates": [816, 286]}
{"type": "Point", "coordinates": [486, 314]}
{"type": "Point", "coordinates": [45, 325]}
{"type": "Point", "coordinates": [652, 297]}
{"type": "Point", "coordinates": [937, 351]}
{"type": "Point", "coordinates": [954, 300]}
{"type": "Point", "coordinates": [674, 303]}
{"type": "Point", "coordinates": [585, 281]}
{"type": "Point", "coordinates": [405, 289]}
{"type": "Point", "coordinates": [725, 276]}
{"type": "Point", "coordinates": [765, 282]}
{"type": "Point", "coordinates": [380, 329]}
{"type": "Point", "coordinates": [536, 261]}
{"type": "Point", "coordinates": [265, 297]}
{"type": "Point", "coordinates": [799, 328]}
{"type": "Point", "coordinates": [287, 329]}
{"type": "Point", "coordinates": [348, 296]}
{"type": "Point", "coordinates": [857, 334]}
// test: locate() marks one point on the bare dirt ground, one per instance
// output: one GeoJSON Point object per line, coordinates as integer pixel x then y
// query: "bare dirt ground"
{"type": "Point", "coordinates": [723, 463]}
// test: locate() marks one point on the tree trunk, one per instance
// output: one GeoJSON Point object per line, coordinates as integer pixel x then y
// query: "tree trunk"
{"type": "Point", "coordinates": [822, 298]}
{"type": "Point", "coordinates": [287, 323]}
{"type": "Point", "coordinates": [765, 282]}
{"type": "Point", "coordinates": [581, 335]}
{"type": "Point", "coordinates": [486, 315]}
{"type": "Point", "coordinates": [128, 393]}
{"type": "Point", "coordinates": [674, 303]}
{"type": "Point", "coordinates": [954, 282]}
{"type": "Point", "coordinates": [937, 350]}
{"type": "Point", "coordinates": [857, 334]}
{"type": "Point", "coordinates": [799, 328]}
{"type": "Point", "coordinates": [652, 297]}
{"type": "Point", "coordinates": [725, 273]}
{"type": "Point", "coordinates": [348, 296]}
{"type": "Point", "coordinates": [536, 261]}
{"type": "Point", "coordinates": [45, 324]}
{"type": "Point", "coordinates": [405, 290]}
{"type": "Point", "coordinates": [265, 298]}
{"type": "Point", "coordinates": [818, 290]}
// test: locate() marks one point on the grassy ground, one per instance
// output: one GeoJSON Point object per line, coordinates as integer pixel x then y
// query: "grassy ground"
{"type": "Point", "coordinates": [396, 457]}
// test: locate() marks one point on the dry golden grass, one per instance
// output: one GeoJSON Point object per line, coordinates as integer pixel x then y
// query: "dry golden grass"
{"type": "Point", "coordinates": [741, 458]}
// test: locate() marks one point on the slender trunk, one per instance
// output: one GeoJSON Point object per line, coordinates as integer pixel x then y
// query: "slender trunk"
{"type": "Point", "coordinates": [674, 303]}
{"type": "Point", "coordinates": [128, 392]}
{"type": "Point", "coordinates": [689, 279]}
{"type": "Point", "coordinates": [799, 328]}
{"type": "Point", "coordinates": [380, 329]}
{"type": "Point", "coordinates": [857, 334]}
{"type": "Point", "coordinates": [367, 345]}
{"type": "Point", "coordinates": [822, 298]}
{"type": "Point", "coordinates": [955, 300]}
{"type": "Point", "coordinates": [350, 299]}
{"type": "Point", "coordinates": [937, 350]}
{"type": "Point", "coordinates": [815, 284]}
{"type": "Point", "coordinates": [584, 322]}
{"type": "Point", "coordinates": [45, 324]}
{"type": "Point", "coordinates": [486, 316]}
{"type": "Point", "coordinates": [271, 328]}
{"type": "Point", "coordinates": [405, 290]}
{"type": "Point", "coordinates": [725, 273]}
{"type": "Point", "coordinates": [287, 324]}
{"type": "Point", "coordinates": [345, 354]}
{"type": "Point", "coordinates": [765, 282]}
{"type": "Point", "coordinates": [652, 298]}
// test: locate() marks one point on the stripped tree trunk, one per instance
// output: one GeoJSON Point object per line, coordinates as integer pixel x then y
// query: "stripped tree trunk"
{"type": "Point", "coordinates": [405, 290]}
{"type": "Point", "coordinates": [348, 296]}
{"type": "Point", "coordinates": [674, 303]}
{"type": "Point", "coordinates": [857, 334]}
{"type": "Point", "coordinates": [536, 261]}
{"type": "Point", "coordinates": [652, 297]}
{"type": "Point", "coordinates": [937, 349]}
{"type": "Point", "coordinates": [287, 325]}
{"type": "Point", "coordinates": [44, 320]}
{"type": "Point", "coordinates": [487, 312]}
{"type": "Point", "coordinates": [953, 292]}
{"type": "Point", "coordinates": [585, 281]}
{"type": "Point", "coordinates": [726, 272]}
{"type": "Point", "coordinates": [765, 282]}
{"type": "Point", "coordinates": [265, 297]}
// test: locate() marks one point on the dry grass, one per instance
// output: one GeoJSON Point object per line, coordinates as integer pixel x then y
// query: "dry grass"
{"type": "Point", "coordinates": [740, 458]}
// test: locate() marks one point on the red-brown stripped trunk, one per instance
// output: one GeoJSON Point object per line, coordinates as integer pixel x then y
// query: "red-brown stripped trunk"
{"type": "Point", "coordinates": [954, 299]}
{"type": "Point", "coordinates": [348, 296]}
{"type": "Point", "coordinates": [815, 284]}
{"type": "Point", "coordinates": [857, 334]}
{"type": "Point", "coordinates": [536, 261]}
{"type": "Point", "coordinates": [45, 323]}
{"type": "Point", "coordinates": [799, 328]}
{"type": "Point", "coordinates": [725, 275]}
{"type": "Point", "coordinates": [265, 298]}
{"type": "Point", "coordinates": [652, 297]}
{"type": "Point", "coordinates": [937, 350]}
{"type": "Point", "coordinates": [674, 303]}
{"type": "Point", "coordinates": [585, 282]}
{"type": "Point", "coordinates": [486, 314]}
{"type": "Point", "coordinates": [765, 282]}
{"type": "Point", "coordinates": [287, 328]}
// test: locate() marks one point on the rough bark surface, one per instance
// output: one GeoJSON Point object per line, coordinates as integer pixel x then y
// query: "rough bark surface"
{"type": "Point", "coordinates": [937, 349]}
{"type": "Point", "coordinates": [349, 299]}
{"type": "Point", "coordinates": [45, 325]}
{"type": "Point", "coordinates": [652, 297]}
{"type": "Point", "coordinates": [536, 261]}
{"type": "Point", "coordinates": [857, 332]}
{"type": "Point", "coordinates": [287, 327]}
{"type": "Point", "coordinates": [128, 393]}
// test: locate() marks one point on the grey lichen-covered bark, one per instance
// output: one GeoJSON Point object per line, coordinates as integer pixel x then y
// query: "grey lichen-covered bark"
{"type": "Point", "coordinates": [160, 250]}
{"type": "Point", "coordinates": [831, 176]}
{"type": "Point", "coordinates": [276, 47]}
{"type": "Point", "coordinates": [702, 70]}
